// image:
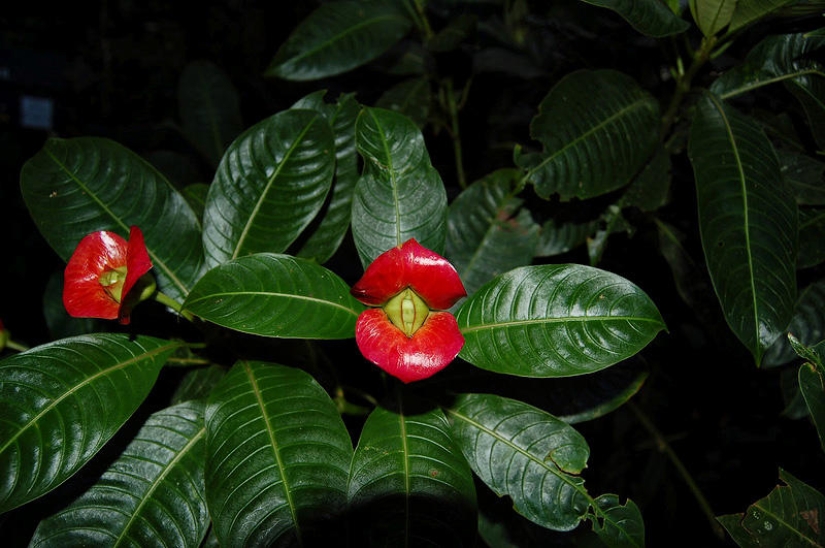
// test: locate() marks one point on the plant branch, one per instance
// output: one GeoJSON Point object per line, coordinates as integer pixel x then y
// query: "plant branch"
{"type": "Point", "coordinates": [684, 81]}
{"type": "Point", "coordinates": [455, 131]}
{"type": "Point", "coordinates": [166, 300]}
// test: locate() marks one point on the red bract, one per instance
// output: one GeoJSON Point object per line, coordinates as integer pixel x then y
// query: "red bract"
{"type": "Point", "coordinates": [101, 272]}
{"type": "Point", "coordinates": [410, 336]}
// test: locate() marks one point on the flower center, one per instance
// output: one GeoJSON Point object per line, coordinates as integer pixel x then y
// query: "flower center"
{"type": "Point", "coordinates": [112, 282]}
{"type": "Point", "coordinates": [407, 311]}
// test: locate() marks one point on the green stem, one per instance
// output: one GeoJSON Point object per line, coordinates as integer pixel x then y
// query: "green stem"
{"type": "Point", "coordinates": [684, 81]}
{"type": "Point", "coordinates": [16, 346]}
{"type": "Point", "coordinates": [455, 132]}
{"type": "Point", "coordinates": [665, 448]}
{"type": "Point", "coordinates": [166, 300]}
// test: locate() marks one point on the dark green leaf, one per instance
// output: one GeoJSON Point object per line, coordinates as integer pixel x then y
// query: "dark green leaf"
{"type": "Point", "coordinates": [335, 216]}
{"type": "Point", "coordinates": [400, 195]}
{"type": "Point", "coordinates": [338, 37]}
{"type": "Point", "coordinates": [749, 11]}
{"type": "Point", "coordinates": [650, 17]}
{"type": "Point", "coordinates": [209, 109]}
{"type": "Point", "coordinates": [198, 383]}
{"type": "Point", "coordinates": [649, 190]}
{"type": "Point", "coordinates": [487, 231]}
{"type": "Point", "coordinates": [559, 237]}
{"type": "Point", "coordinates": [813, 353]}
{"type": "Point", "coordinates": [807, 325]}
{"type": "Point", "coordinates": [410, 484]}
{"type": "Point", "coordinates": [619, 525]}
{"type": "Point", "coordinates": [556, 321]}
{"type": "Point", "coordinates": [748, 223]}
{"type": "Point", "coordinates": [74, 187]}
{"type": "Point", "coordinates": [152, 495]}
{"type": "Point", "coordinates": [61, 402]}
{"type": "Point", "coordinates": [276, 296]}
{"type": "Point", "coordinates": [526, 454]}
{"type": "Point", "coordinates": [791, 515]}
{"type": "Point", "coordinates": [811, 234]}
{"type": "Point", "coordinates": [711, 16]}
{"type": "Point", "coordinates": [812, 386]}
{"type": "Point", "coordinates": [271, 183]}
{"type": "Point", "coordinates": [805, 177]}
{"type": "Point", "coordinates": [195, 194]}
{"type": "Point", "coordinates": [278, 457]}
{"type": "Point", "coordinates": [598, 129]}
{"type": "Point", "coordinates": [411, 98]}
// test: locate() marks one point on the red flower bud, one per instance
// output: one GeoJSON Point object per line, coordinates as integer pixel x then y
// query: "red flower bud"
{"type": "Point", "coordinates": [410, 336]}
{"type": "Point", "coordinates": [101, 272]}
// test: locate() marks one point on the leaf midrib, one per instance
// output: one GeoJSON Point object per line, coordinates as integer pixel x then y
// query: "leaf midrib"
{"type": "Point", "coordinates": [541, 321]}
{"type": "Point", "coordinates": [286, 296]}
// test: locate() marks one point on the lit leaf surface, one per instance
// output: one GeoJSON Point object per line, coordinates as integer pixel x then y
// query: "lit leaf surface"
{"type": "Point", "coordinates": [619, 525]}
{"type": "Point", "coordinates": [152, 495]}
{"type": "Point", "coordinates": [650, 17]}
{"type": "Point", "coordinates": [61, 402]}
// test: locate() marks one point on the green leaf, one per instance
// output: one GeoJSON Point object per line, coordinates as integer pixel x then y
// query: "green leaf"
{"type": "Point", "coordinates": [400, 195]}
{"type": "Point", "coordinates": [269, 186]}
{"type": "Point", "coordinates": [209, 109]}
{"type": "Point", "coordinates": [526, 454]}
{"type": "Point", "coordinates": [487, 231]}
{"type": "Point", "coordinates": [813, 353]}
{"type": "Point", "coordinates": [195, 195]}
{"type": "Point", "coordinates": [556, 321]}
{"type": "Point", "coordinates": [337, 211]}
{"type": "Point", "coordinates": [650, 17]}
{"type": "Point", "coordinates": [649, 190]}
{"type": "Point", "coordinates": [62, 401]}
{"type": "Point", "coordinates": [791, 515]}
{"type": "Point", "coordinates": [711, 16]}
{"type": "Point", "coordinates": [807, 325]}
{"type": "Point", "coordinates": [558, 236]}
{"type": "Point", "coordinates": [338, 37]}
{"type": "Point", "coordinates": [749, 11]}
{"type": "Point", "coordinates": [812, 386]}
{"type": "Point", "coordinates": [583, 125]}
{"type": "Point", "coordinates": [278, 458]}
{"type": "Point", "coordinates": [198, 383]}
{"type": "Point", "coordinates": [748, 223]}
{"type": "Point", "coordinates": [74, 187]}
{"type": "Point", "coordinates": [619, 525]}
{"type": "Point", "coordinates": [805, 177]}
{"type": "Point", "coordinates": [811, 234]}
{"type": "Point", "coordinates": [153, 494]}
{"type": "Point", "coordinates": [409, 483]}
{"type": "Point", "coordinates": [276, 296]}
{"type": "Point", "coordinates": [411, 97]}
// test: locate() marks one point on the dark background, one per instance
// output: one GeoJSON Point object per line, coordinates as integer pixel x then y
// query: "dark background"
{"type": "Point", "coordinates": [111, 69]}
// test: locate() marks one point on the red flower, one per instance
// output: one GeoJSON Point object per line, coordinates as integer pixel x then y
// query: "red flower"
{"type": "Point", "coordinates": [409, 335]}
{"type": "Point", "coordinates": [101, 272]}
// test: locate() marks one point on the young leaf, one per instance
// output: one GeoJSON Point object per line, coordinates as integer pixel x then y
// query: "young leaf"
{"type": "Point", "coordinates": [400, 195]}
{"type": "Point", "coordinates": [556, 321]}
{"type": "Point", "coordinates": [62, 401]}
{"type": "Point", "coordinates": [747, 221]}
{"type": "Point", "coordinates": [712, 16]}
{"type": "Point", "coordinates": [74, 187]}
{"type": "Point", "coordinates": [487, 232]}
{"type": "Point", "coordinates": [153, 494]}
{"type": "Point", "coordinates": [209, 109]}
{"type": "Point", "coordinates": [338, 37]}
{"type": "Point", "coordinates": [271, 183]}
{"type": "Point", "coordinates": [526, 454]}
{"type": "Point", "coordinates": [337, 212]}
{"type": "Point", "coordinates": [619, 525]}
{"type": "Point", "coordinates": [583, 125]}
{"type": "Point", "coordinates": [409, 484]}
{"type": "Point", "coordinates": [277, 458]}
{"type": "Point", "coordinates": [791, 515]}
{"type": "Point", "coordinates": [650, 17]}
{"type": "Point", "coordinates": [276, 296]}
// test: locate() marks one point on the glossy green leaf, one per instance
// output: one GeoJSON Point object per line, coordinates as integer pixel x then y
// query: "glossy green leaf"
{"type": "Point", "coordinates": [807, 325]}
{"type": "Point", "coordinates": [748, 223]}
{"type": "Point", "coordinates": [619, 525]}
{"type": "Point", "coordinates": [400, 195]}
{"type": "Point", "coordinates": [812, 387]}
{"type": "Point", "coordinates": [598, 128]}
{"type": "Point", "coordinates": [269, 186]}
{"type": "Point", "coordinates": [278, 458]}
{"type": "Point", "coordinates": [152, 495]}
{"type": "Point", "coordinates": [198, 383]}
{"type": "Point", "coordinates": [338, 37]}
{"type": "Point", "coordinates": [209, 109]}
{"type": "Point", "coordinates": [750, 11]}
{"type": "Point", "coordinates": [777, 58]}
{"type": "Point", "coordinates": [558, 237]}
{"type": "Point", "coordinates": [650, 17]}
{"type": "Point", "coordinates": [74, 187]}
{"type": "Point", "coordinates": [62, 401]}
{"type": "Point", "coordinates": [337, 211]}
{"type": "Point", "coordinates": [526, 454]}
{"type": "Point", "coordinates": [409, 484]}
{"type": "Point", "coordinates": [791, 515]}
{"type": "Point", "coordinates": [712, 16]}
{"type": "Point", "coordinates": [276, 296]}
{"type": "Point", "coordinates": [556, 321]}
{"type": "Point", "coordinates": [813, 353]}
{"type": "Point", "coordinates": [195, 194]}
{"type": "Point", "coordinates": [411, 97]}
{"type": "Point", "coordinates": [487, 231]}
